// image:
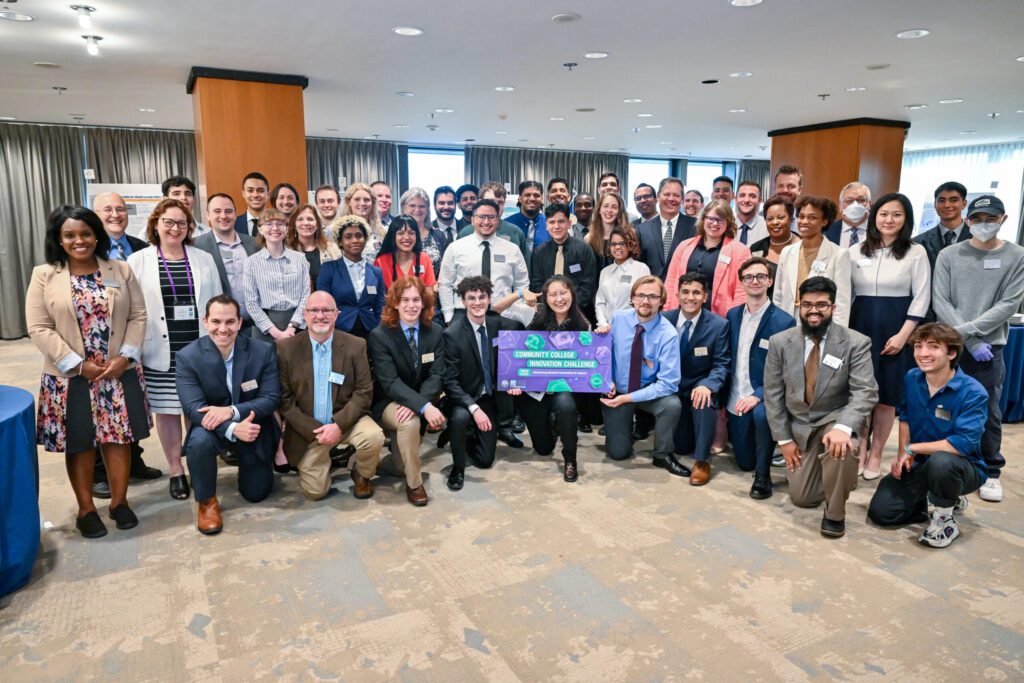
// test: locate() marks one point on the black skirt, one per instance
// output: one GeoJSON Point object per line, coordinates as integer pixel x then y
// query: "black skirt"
{"type": "Point", "coordinates": [879, 318]}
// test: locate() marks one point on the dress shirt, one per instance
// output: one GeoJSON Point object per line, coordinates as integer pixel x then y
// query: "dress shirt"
{"type": "Point", "coordinates": [233, 255]}
{"type": "Point", "coordinates": [663, 223]}
{"type": "Point", "coordinates": [682, 321]}
{"type": "Point", "coordinates": [757, 232]}
{"type": "Point", "coordinates": [321, 380]}
{"type": "Point", "coordinates": [276, 284]}
{"type": "Point", "coordinates": [705, 261]}
{"type": "Point", "coordinates": [126, 248]}
{"type": "Point", "coordinates": [251, 222]}
{"type": "Point", "coordinates": [847, 232]}
{"type": "Point", "coordinates": [741, 384]}
{"type": "Point", "coordinates": [405, 335]}
{"type": "Point", "coordinates": [508, 274]}
{"type": "Point", "coordinates": [660, 374]}
{"type": "Point", "coordinates": [356, 273]}
{"type": "Point", "coordinates": [579, 265]}
{"type": "Point", "coordinates": [956, 231]}
{"type": "Point", "coordinates": [808, 347]}
{"type": "Point", "coordinates": [450, 230]}
{"type": "Point", "coordinates": [540, 229]}
{"type": "Point", "coordinates": [476, 334]}
{"type": "Point", "coordinates": [229, 365]}
{"type": "Point", "coordinates": [616, 282]}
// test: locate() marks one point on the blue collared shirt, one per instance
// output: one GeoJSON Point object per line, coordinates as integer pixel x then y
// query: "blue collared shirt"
{"type": "Point", "coordinates": [229, 364]}
{"type": "Point", "coordinates": [540, 228]}
{"type": "Point", "coordinates": [957, 413]}
{"type": "Point", "coordinates": [113, 254]}
{"type": "Point", "coordinates": [405, 333]}
{"type": "Point", "coordinates": [321, 380]}
{"type": "Point", "coordinates": [660, 373]}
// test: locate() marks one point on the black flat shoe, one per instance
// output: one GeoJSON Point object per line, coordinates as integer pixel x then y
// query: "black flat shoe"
{"type": "Point", "coordinates": [91, 526]}
{"type": "Point", "coordinates": [124, 517]}
{"type": "Point", "coordinates": [230, 458]}
{"type": "Point", "coordinates": [518, 426]}
{"type": "Point", "coordinates": [145, 473]}
{"type": "Point", "coordinates": [456, 479]}
{"type": "Point", "coordinates": [101, 489]}
{"type": "Point", "coordinates": [761, 488]}
{"type": "Point", "coordinates": [673, 466]}
{"type": "Point", "coordinates": [508, 437]}
{"type": "Point", "coordinates": [179, 487]}
{"type": "Point", "coordinates": [571, 474]}
{"type": "Point", "coordinates": [282, 469]}
{"type": "Point", "coordinates": [831, 528]}
{"type": "Point", "coordinates": [584, 426]}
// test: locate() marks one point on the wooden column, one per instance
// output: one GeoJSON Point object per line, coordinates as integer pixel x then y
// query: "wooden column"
{"type": "Point", "coordinates": [834, 154]}
{"type": "Point", "coordinates": [247, 121]}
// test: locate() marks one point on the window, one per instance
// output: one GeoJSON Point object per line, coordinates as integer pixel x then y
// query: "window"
{"type": "Point", "coordinates": [650, 171]}
{"type": "Point", "coordinates": [700, 176]}
{"type": "Point", "coordinates": [432, 168]}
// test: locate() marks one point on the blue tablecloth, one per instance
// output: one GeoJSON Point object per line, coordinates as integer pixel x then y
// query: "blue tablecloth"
{"type": "Point", "coordinates": [19, 488]}
{"type": "Point", "coordinates": [1012, 400]}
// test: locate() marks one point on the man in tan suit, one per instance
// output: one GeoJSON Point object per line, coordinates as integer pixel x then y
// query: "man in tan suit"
{"type": "Point", "coordinates": [819, 389]}
{"type": "Point", "coordinates": [326, 392]}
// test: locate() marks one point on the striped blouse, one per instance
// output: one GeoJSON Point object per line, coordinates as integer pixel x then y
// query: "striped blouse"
{"type": "Point", "coordinates": [276, 284]}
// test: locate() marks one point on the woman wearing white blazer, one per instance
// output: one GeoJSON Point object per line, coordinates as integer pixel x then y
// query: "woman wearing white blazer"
{"type": "Point", "coordinates": [177, 280]}
{"type": "Point", "coordinates": [813, 255]}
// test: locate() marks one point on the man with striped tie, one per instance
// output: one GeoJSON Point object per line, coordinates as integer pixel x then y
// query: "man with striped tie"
{"type": "Point", "coordinates": [854, 205]}
{"type": "Point", "coordinates": [660, 236]}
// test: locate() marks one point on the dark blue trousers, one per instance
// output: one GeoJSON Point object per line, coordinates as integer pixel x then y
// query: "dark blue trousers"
{"type": "Point", "coordinates": [752, 440]}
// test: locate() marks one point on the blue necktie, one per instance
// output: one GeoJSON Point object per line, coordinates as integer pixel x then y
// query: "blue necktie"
{"type": "Point", "coordinates": [854, 236]}
{"type": "Point", "coordinates": [485, 360]}
{"type": "Point", "coordinates": [413, 347]}
{"type": "Point", "coordinates": [684, 340]}
{"type": "Point", "coordinates": [745, 233]}
{"type": "Point", "coordinates": [119, 255]}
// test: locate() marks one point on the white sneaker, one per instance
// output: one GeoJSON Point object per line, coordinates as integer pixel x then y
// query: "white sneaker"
{"type": "Point", "coordinates": [941, 532]}
{"type": "Point", "coordinates": [991, 490]}
{"type": "Point", "coordinates": [778, 460]}
{"type": "Point", "coordinates": [961, 504]}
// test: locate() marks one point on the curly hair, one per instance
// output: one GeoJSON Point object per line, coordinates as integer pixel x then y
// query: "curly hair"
{"type": "Point", "coordinates": [389, 316]}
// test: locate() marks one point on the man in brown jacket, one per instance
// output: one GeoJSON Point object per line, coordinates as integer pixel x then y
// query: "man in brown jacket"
{"type": "Point", "coordinates": [326, 391]}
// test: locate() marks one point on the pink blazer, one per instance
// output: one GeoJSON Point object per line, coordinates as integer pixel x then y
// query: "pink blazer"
{"type": "Point", "coordinates": [726, 291]}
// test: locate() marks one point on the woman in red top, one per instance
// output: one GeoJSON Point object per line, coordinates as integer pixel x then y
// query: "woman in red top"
{"type": "Point", "coordinates": [401, 254]}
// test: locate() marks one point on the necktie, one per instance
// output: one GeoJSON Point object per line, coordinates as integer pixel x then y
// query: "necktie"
{"type": "Point", "coordinates": [947, 238]}
{"type": "Point", "coordinates": [485, 360]}
{"type": "Point", "coordinates": [666, 242]}
{"type": "Point", "coordinates": [451, 234]}
{"type": "Point", "coordinates": [254, 229]}
{"type": "Point", "coordinates": [854, 236]}
{"type": "Point", "coordinates": [413, 347]}
{"type": "Point", "coordinates": [744, 233]}
{"type": "Point", "coordinates": [636, 360]}
{"type": "Point", "coordinates": [485, 261]}
{"type": "Point", "coordinates": [684, 338]}
{"type": "Point", "coordinates": [811, 370]}
{"type": "Point", "coordinates": [531, 232]}
{"type": "Point", "coordinates": [559, 262]}
{"type": "Point", "coordinates": [119, 249]}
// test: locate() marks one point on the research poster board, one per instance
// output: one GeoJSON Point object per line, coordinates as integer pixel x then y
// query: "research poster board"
{"type": "Point", "coordinates": [555, 361]}
{"type": "Point", "coordinates": [139, 198]}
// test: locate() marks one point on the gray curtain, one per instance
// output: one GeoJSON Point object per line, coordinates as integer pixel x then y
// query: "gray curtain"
{"type": "Point", "coordinates": [127, 155]}
{"type": "Point", "coordinates": [514, 165]}
{"type": "Point", "coordinates": [357, 161]}
{"type": "Point", "coordinates": [758, 170]}
{"type": "Point", "coordinates": [40, 169]}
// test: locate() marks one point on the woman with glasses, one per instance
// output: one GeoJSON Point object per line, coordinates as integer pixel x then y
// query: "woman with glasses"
{"type": "Point", "coordinates": [177, 280]}
{"type": "Point", "coordinates": [306, 235]}
{"type": "Point", "coordinates": [611, 214]}
{"type": "Point", "coordinates": [284, 197]}
{"type": "Point", "coordinates": [276, 282]}
{"type": "Point", "coordinates": [616, 279]}
{"type": "Point", "coordinates": [778, 218]}
{"type": "Point", "coordinates": [402, 254]}
{"type": "Point", "coordinates": [357, 287]}
{"type": "Point", "coordinates": [416, 203]}
{"type": "Point", "coordinates": [891, 290]}
{"type": "Point", "coordinates": [359, 201]}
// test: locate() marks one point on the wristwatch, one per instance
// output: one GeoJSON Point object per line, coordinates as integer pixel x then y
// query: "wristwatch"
{"type": "Point", "coordinates": [906, 449]}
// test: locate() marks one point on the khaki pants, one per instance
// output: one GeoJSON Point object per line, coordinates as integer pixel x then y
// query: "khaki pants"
{"type": "Point", "coordinates": [315, 465]}
{"type": "Point", "coordinates": [405, 446]}
{"type": "Point", "coordinates": [823, 478]}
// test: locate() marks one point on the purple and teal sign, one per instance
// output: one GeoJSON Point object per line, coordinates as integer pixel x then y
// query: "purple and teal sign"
{"type": "Point", "coordinates": [555, 361]}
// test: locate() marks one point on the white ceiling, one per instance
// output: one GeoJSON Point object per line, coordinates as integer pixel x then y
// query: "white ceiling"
{"type": "Point", "coordinates": [659, 51]}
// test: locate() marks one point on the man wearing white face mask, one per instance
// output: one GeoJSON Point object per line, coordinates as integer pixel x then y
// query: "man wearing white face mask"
{"type": "Point", "coordinates": [977, 302]}
{"type": "Point", "coordinates": [854, 205]}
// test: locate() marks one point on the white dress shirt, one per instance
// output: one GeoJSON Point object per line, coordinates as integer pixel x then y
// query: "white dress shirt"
{"type": "Point", "coordinates": [462, 259]}
{"type": "Point", "coordinates": [758, 229]}
{"type": "Point", "coordinates": [741, 385]}
{"type": "Point", "coordinates": [848, 231]}
{"type": "Point", "coordinates": [682, 321]}
{"type": "Point", "coordinates": [614, 285]}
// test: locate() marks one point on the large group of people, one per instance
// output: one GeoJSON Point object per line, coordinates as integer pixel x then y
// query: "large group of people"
{"type": "Point", "coordinates": [310, 337]}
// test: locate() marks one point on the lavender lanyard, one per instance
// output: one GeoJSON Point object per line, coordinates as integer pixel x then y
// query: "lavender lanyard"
{"type": "Point", "coordinates": [188, 272]}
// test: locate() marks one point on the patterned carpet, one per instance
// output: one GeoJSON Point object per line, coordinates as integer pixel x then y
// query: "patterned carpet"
{"type": "Point", "coordinates": [628, 575]}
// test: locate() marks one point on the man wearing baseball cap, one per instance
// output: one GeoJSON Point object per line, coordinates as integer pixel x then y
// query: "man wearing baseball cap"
{"type": "Point", "coordinates": [977, 285]}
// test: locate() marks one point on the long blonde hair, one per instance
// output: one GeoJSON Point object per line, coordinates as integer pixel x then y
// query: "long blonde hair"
{"type": "Point", "coordinates": [376, 227]}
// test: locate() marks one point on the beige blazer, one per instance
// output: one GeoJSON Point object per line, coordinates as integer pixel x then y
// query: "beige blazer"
{"type": "Point", "coordinates": [53, 325]}
{"type": "Point", "coordinates": [836, 267]}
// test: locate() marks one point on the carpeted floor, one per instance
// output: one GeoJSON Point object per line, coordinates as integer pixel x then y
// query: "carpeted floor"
{"type": "Point", "coordinates": [628, 575]}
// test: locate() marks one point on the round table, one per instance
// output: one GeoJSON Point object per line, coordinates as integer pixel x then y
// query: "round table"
{"type": "Point", "coordinates": [19, 488]}
{"type": "Point", "coordinates": [1011, 401]}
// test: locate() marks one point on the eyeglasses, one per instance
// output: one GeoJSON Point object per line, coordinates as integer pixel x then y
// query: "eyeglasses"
{"type": "Point", "coordinates": [647, 297]}
{"type": "Point", "coordinates": [714, 220]}
{"type": "Point", "coordinates": [759, 277]}
{"type": "Point", "coordinates": [107, 210]}
{"type": "Point", "coordinates": [643, 197]}
{"type": "Point", "coordinates": [273, 224]}
{"type": "Point", "coordinates": [616, 244]}
{"type": "Point", "coordinates": [820, 306]}
{"type": "Point", "coordinates": [321, 311]}
{"type": "Point", "coordinates": [169, 223]}
{"type": "Point", "coordinates": [485, 217]}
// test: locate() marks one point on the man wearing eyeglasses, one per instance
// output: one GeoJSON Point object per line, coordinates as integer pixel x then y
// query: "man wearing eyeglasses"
{"type": "Point", "coordinates": [976, 286]}
{"type": "Point", "coordinates": [646, 200]}
{"type": "Point", "coordinates": [751, 326]}
{"type": "Point", "coordinates": [819, 390]}
{"type": "Point", "coordinates": [326, 393]}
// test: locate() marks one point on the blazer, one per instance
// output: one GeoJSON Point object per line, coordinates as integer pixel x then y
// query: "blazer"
{"type": "Point", "coordinates": [834, 232]}
{"type": "Point", "coordinates": [137, 244]}
{"type": "Point", "coordinates": [837, 269]}
{"type": "Point", "coordinates": [651, 249]}
{"type": "Point", "coordinates": [395, 378]}
{"type": "Point", "coordinates": [201, 380]}
{"type": "Point", "coordinates": [53, 324]}
{"type": "Point", "coordinates": [577, 256]}
{"type": "Point", "coordinates": [242, 223]}
{"type": "Point", "coordinates": [334, 278]}
{"type": "Point", "coordinates": [208, 244]}
{"type": "Point", "coordinates": [711, 368]}
{"type": "Point", "coordinates": [773, 320]}
{"type": "Point", "coordinates": [350, 400]}
{"type": "Point", "coordinates": [932, 242]}
{"type": "Point", "coordinates": [726, 290]}
{"type": "Point", "coordinates": [844, 395]}
{"type": "Point", "coordinates": [463, 371]}
{"type": "Point", "coordinates": [156, 351]}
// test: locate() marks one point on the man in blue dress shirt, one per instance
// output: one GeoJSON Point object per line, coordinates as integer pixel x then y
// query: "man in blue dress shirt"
{"type": "Point", "coordinates": [530, 219]}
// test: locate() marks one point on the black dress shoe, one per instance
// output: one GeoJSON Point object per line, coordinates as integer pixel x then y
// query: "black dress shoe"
{"type": "Point", "coordinates": [456, 479]}
{"type": "Point", "coordinates": [639, 434]}
{"type": "Point", "coordinates": [91, 526]}
{"type": "Point", "coordinates": [340, 456]}
{"type": "Point", "coordinates": [831, 528]}
{"type": "Point", "coordinates": [442, 438]}
{"type": "Point", "coordinates": [124, 517]}
{"type": "Point", "coordinates": [508, 437]}
{"type": "Point", "coordinates": [179, 487]}
{"type": "Point", "coordinates": [600, 431]}
{"type": "Point", "coordinates": [282, 469]}
{"type": "Point", "coordinates": [100, 489]}
{"type": "Point", "coordinates": [230, 458]}
{"type": "Point", "coordinates": [761, 488]}
{"type": "Point", "coordinates": [673, 466]}
{"type": "Point", "coordinates": [585, 426]}
{"type": "Point", "coordinates": [518, 426]}
{"type": "Point", "coordinates": [144, 472]}
{"type": "Point", "coordinates": [571, 473]}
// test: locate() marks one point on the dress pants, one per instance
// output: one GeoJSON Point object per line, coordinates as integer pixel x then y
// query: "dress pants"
{"type": "Point", "coordinates": [537, 415]}
{"type": "Point", "coordinates": [618, 426]}
{"type": "Point", "coordinates": [405, 445]}
{"type": "Point", "coordinates": [991, 376]}
{"type": "Point", "coordinates": [751, 440]}
{"type": "Point", "coordinates": [696, 428]}
{"type": "Point", "coordinates": [315, 464]}
{"type": "Point", "coordinates": [465, 437]}
{"type": "Point", "coordinates": [823, 478]}
{"type": "Point", "coordinates": [255, 460]}
{"type": "Point", "coordinates": [943, 477]}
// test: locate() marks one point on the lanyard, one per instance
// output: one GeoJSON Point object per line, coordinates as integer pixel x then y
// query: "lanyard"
{"type": "Point", "coordinates": [188, 272]}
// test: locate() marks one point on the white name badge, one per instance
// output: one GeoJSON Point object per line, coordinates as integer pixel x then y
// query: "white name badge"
{"type": "Point", "coordinates": [832, 361]}
{"type": "Point", "coordinates": [700, 350]}
{"type": "Point", "coordinates": [499, 258]}
{"type": "Point", "coordinates": [336, 378]}
{"type": "Point", "coordinates": [763, 344]}
{"type": "Point", "coordinates": [993, 264]}
{"type": "Point", "coordinates": [575, 268]}
{"type": "Point", "coordinates": [943, 414]}
{"type": "Point", "coordinates": [864, 263]}
{"type": "Point", "coordinates": [371, 289]}
{"type": "Point", "coordinates": [757, 253]}
{"type": "Point", "coordinates": [625, 278]}
{"type": "Point", "coordinates": [427, 358]}
{"type": "Point", "coordinates": [113, 284]}
{"type": "Point", "coordinates": [251, 385]}
{"type": "Point", "coordinates": [725, 259]}
{"type": "Point", "coordinates": [818, 266]}
{"type": "Point", "coordinates": [184, 312]}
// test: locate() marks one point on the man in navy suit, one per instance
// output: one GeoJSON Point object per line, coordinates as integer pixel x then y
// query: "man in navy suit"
{"type": "Point", "coordinates": [660, 236]}
{"type": "Point", "coordinates": [704, 368]}
{"type": "Point", "coordinates": [852, 225]}
{"type": "Point", "coordinates": [229, 389]}
{"type": "Point", "coordinates": [255, 190]}
{"type": "Point", "coordinates": [950, 202]}
{"type": "Point", "coordinates": [750, 326]}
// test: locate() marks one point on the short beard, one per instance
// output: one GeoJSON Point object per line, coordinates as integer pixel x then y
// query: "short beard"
{"type": "Point", "coordinates": [819, 330]}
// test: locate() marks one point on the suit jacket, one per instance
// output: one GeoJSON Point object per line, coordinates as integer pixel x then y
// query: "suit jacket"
{"type": "Point", "coordinates": [932, 242]}
{"type": "Point", "coordinates": [242, 224]}
{"type": "Point", "coordinates": [201, 379]}
{"type": "Point", "coordinates": [53, 323]}
{"type": "Point", "coordinates": [844, 395]}
{"type": "Point", "coordinates": [711, 368]}
{"type": "Point", "coordinates": [463, 371]}
{"type": "Point", "coordinates": [726, 290]}
{"type": "Point", "coordinates": [396, 378]}
{"type": "Point", "coordinates": [836, 268]}
{"type": "Point", "coordinates": [208, 244]}
{"type": "Point", "coordinates": [577, 255]}
{"type": "Point", "coordinates": [458, 226]}
{"type": "Point", "coordinates": [334, 278]}
{"type": "Point", "coordinates": [834, 232]}
{"type": "Point", "coordinates": [350, 400]}
{"type": "Point", "coordinates": [136, 244]}
{"type": "Point", "coordinates": [773, 320]}
{"type": "Point", "coordinates": [651, 250]}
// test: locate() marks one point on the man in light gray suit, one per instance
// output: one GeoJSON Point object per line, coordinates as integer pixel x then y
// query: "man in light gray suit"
{"type": "Point", "coordinates": [228, 248]}
{"type": "Point", "coordinates": [819, 389]}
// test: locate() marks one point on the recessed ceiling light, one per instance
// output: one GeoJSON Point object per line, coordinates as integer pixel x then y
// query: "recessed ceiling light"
{"type": "Point", "coordinates": [856, 88]}
{"type": "Point", "coordinates": [566, 18]}
{"type": "Point", "coordinates": [709, 81]}
{"type": "Point", "coordinates": [632, 100]}
{"type": "Point", "coordinates": [744, 3]}
{"type": "Point", "coordinates": [645, 115]}
{"type": "Point", "coordinates": [748, 156]}
{"type": "Point", "coordinates": [399, 125]}
{"type": "Point", "coordinates": [332, 130]}
{"type": "Point", "coordinates": [7, 118]}
{"type": "Point", "coordinates": [653, 125]}
{"type": "Point", "coordinates": [992, 115]}
{"type": "Point", "coordinates": [404, 93]}
{"type": "Point", "coordinates": [877, 67]}
{"type": "Point", "coordinates": [444, 111]}
{"type": "Point", "coordinates": [557, 118]}
{"type": "Point", "coordinates": [737, 111]}
{"type": "Point", "coordinates": [741, 74]}
{"type": "Point", "coordinates": [968, 132]}
{"type": "Point", "coordinates": [92, 44]}
{"type": "Point", "coordinates": [1021, 58]}
{"type": "Point", "coordinates": [11, 15]}
{"type": "Point", "coordinates": [84, 15]}
{"type": "Point", "coordinates": [589, 137]}
{"type": "Point", "coordinates": [1020, 111]}
{"type": "Point", "coordinates": [952, 100]}
{"type": "Point", "coordinates": [909, 34]}
{"type": "Point", "coordinates": [665, 142]}
{"type": "Point", "coordinates": [504, 88]}
{"type": "Point", "coordinates": [371, 137]}
{"type": "Point", "coordinates": [585, 110]}
{"type": "Point", "coordinates": [470, 140]}
{"type": "Point", "coordinates": [596, 55]}
{"type": "Point", "coordinates": [145, 125]}
{"type": "Point", "coordinates": [501, 132]}
{"type": "Point", "coordinates": [523, 140]}
{"type": "Point", "coordinates": [147, 110]}
{"type": "Point", "coordinates": [915, 106]}
{"type": "Point", "coordinates": [407, 31]}
{"type": "Point", "coordinates": [732, 147]}
{"type": "Point", "coordinates": [46, 65]}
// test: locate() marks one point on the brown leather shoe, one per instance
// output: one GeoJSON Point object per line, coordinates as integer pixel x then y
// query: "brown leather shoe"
{"type": "Point", "coordinates": [701, 474]}
{"type": "Point", "coordinates": [363, 487]}
{"type": "Point", "coordinates": [209, 521]}
{"type": "Point", "coordinates": [416, 496]}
